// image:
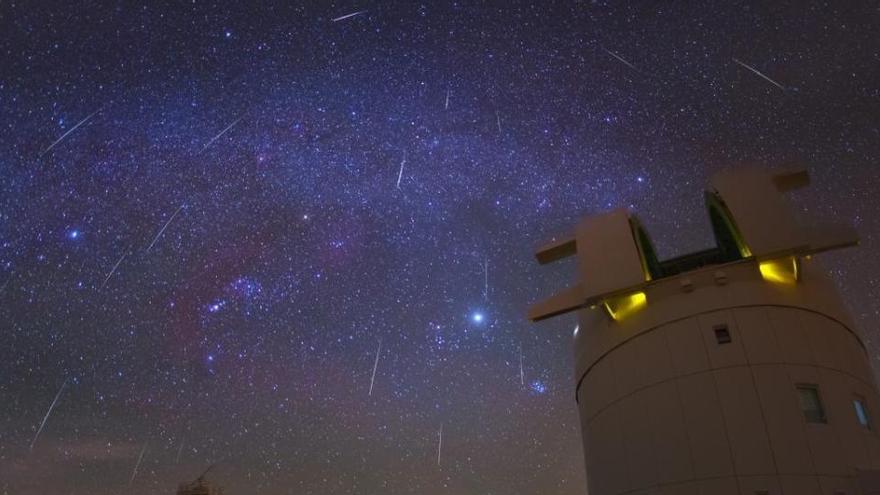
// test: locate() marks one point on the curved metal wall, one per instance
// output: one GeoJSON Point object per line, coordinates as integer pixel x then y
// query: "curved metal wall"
{"type": "Point", "coordinates": [666, 408]}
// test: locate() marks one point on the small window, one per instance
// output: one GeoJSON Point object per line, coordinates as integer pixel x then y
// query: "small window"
{"type": "Point", "coordinates": [862, 412]}
{"type": "Point", "coordinates": [811, 404]}
{"type": "Point", "coordinates": [722, 334]}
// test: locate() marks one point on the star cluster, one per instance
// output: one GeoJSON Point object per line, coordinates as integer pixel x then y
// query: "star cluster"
{"type": "Point", "coordinates": [298, 243]}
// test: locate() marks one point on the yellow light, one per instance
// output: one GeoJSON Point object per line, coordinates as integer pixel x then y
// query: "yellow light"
{"type": "Point", "coordinates": [621, 306]}
{"type": "Point", "coordinates": [781, 271]}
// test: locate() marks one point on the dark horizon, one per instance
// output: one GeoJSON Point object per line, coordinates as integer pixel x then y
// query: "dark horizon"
{"type": "Point", "coordinates": [299, 239]}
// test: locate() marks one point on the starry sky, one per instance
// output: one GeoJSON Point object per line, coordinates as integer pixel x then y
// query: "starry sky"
{"type": "Point", "coordinates": [299, 243]}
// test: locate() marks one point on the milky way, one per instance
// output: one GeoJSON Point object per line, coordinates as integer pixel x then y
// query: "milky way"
{"type": "Point", "coordinates": [297, 241]}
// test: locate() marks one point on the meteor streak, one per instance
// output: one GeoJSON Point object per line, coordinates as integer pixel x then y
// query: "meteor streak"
{"type": "Point", "coordinates": [440, 444]}
{"type": "Point", "coordinates": [81, 122]}
{"type": "Point", "coordinates": [113, 270]}
{"type": "Point", "coordinates": [618, 57]}
{"type": "Point", "coordinates": [163, 228]}
{"type": "Point", "coordinates": [46, 417]}
{"type": "Point", "coordinates": [375, 365]}
{"type": "Point", "coordinates": [230, 126]}
{"type": "Point", "coordinates": [756, 71]}
{"type": "Point", "coordinates": [400, 174]}
{"type": "Point", "coordinates": [346, 16]}
{"type": "Point", "coordinates": [486, 279]}
{"type": "Point", "coordinates": [522, 375]}
{"type": "Point", "coordinates": [136, 466]}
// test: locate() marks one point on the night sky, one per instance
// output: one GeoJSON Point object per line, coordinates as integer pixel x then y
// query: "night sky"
{"type": "Point", "coordinates": [214, 218]}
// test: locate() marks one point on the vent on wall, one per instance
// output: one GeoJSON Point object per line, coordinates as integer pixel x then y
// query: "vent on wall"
{"type": "Point", "coordinates": [811, 403]}
{"type": "Point", "coordinates": [722, 334]}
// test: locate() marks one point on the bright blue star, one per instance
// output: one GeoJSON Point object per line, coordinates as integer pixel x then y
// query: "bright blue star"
{"type": "Point", "coordinates": [73, 234]}
{"type": "Point", "coordinates": [477, 317]}
{"type": "Point", "coordinates": [538, 387]}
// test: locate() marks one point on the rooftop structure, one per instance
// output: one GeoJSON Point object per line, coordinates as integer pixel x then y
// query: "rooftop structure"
{"type": "Point", "coordinates": [200, 486]}
{"type": "Point", "coordinates": [732, 370]}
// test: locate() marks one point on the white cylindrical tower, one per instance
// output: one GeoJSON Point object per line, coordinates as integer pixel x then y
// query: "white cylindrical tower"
{"type": "Point", "coordinates": [734, 370]}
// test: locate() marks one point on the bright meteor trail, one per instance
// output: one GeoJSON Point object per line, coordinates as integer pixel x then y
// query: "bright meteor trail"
{"type": "Point", "coordinates": [400, 174]}
{"type": "Point", "coordinates": [163, 228]}
{"type": "Point", "coordinates": [761, 74]}
{"type": "Point", "coordinates": [218, 136]}
{"type": "Point", "coordinates": [81, 122]}
{"type": "Point", "coordinates": [346, 16]}
{"type": "Point", "coordinates": [439, 444]}
{"type": "Point", "coordinates": [134, 472]}
{"type": "Point", "coordinates": [621, 59]}
{"type": "Point", "coordinates": [375, 366]}
{"type": "Point", "coordinates": [113, 270]}
{"type": "Point", "coordinates": [46, 417]}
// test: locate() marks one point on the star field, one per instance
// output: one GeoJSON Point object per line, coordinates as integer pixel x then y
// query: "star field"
{"type": "Point", "coordinates": [299, 243]}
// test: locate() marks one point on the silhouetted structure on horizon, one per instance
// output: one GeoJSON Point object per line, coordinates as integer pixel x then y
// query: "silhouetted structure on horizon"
{"type": "Point", "coordinates": [200, 486]}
